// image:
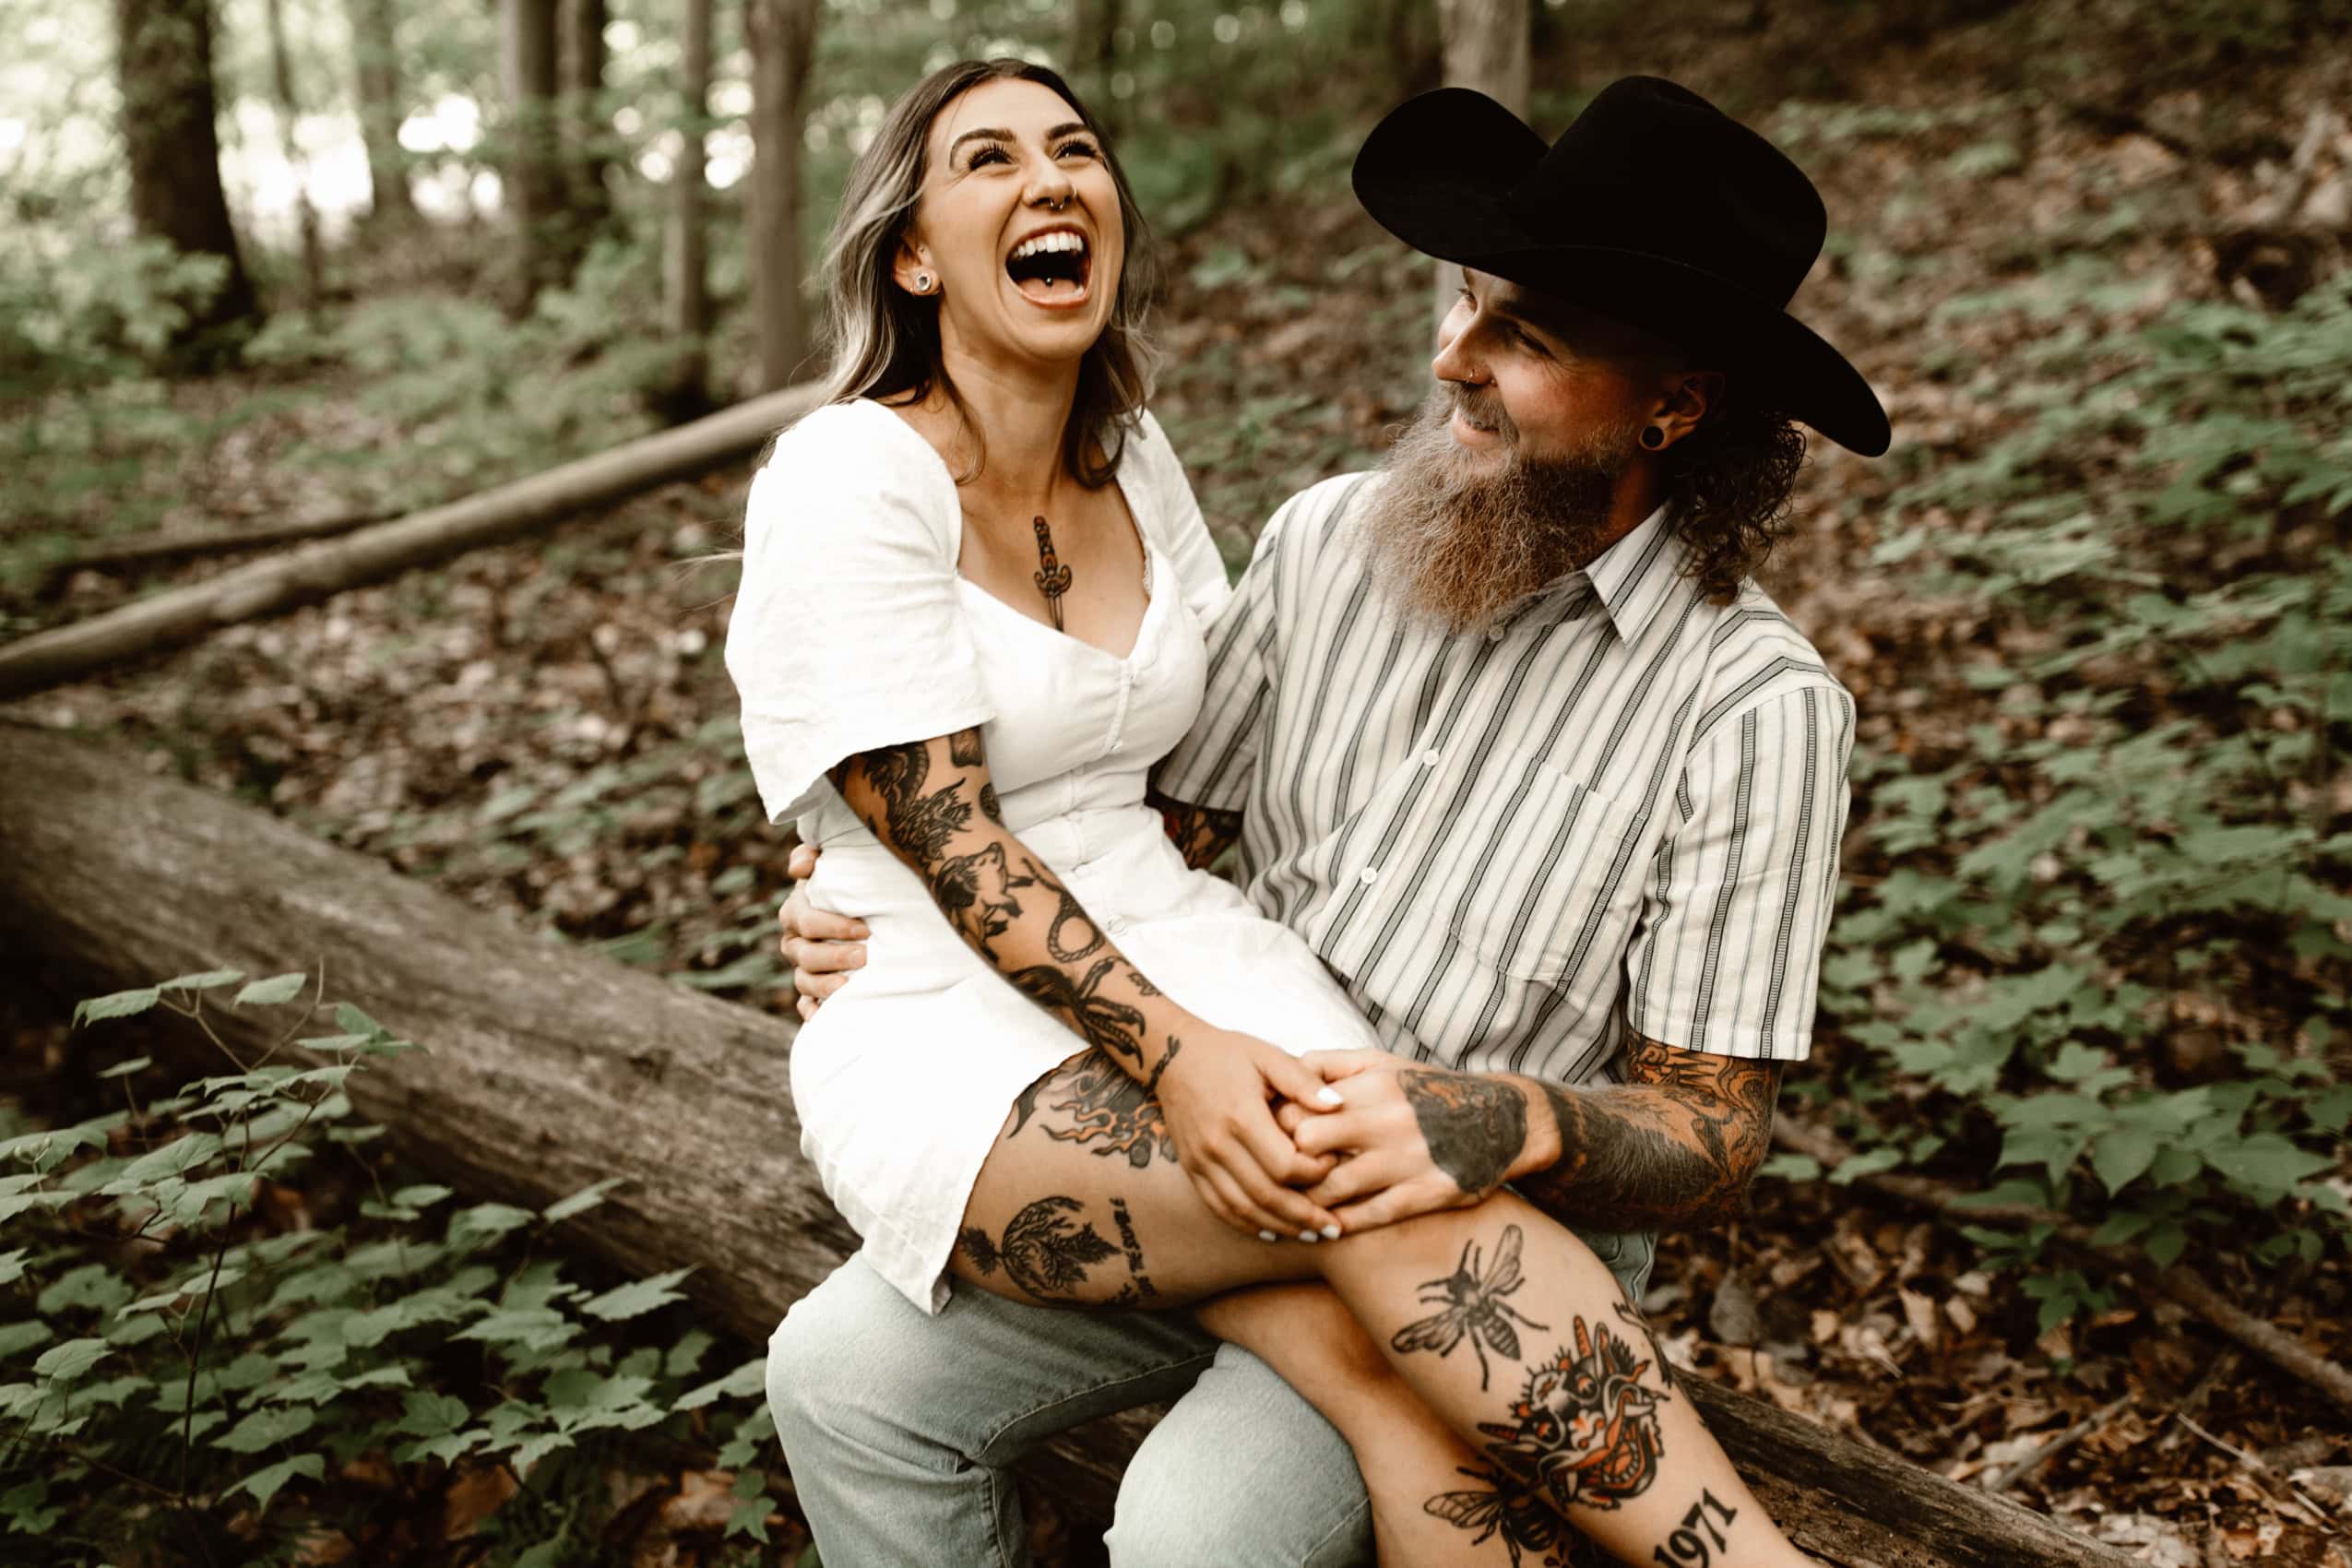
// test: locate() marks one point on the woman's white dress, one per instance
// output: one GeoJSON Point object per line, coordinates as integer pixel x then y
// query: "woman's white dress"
{"type": "Point", "coordinates": [853, 629]}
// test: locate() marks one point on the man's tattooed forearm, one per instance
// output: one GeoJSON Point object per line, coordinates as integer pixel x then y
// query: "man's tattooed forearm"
{"type": "Point", "coordinates": [1617, 1168]}
{"type": "Point", "coordinates": [1045, 1251]}
{"type": "Point", "coordinates": [1729, 1100]}
{"type": "Point", "coordinates": [1632, 1157]}
{"type": "Point", "coordinates": [1475, 1126]}
{"type": "Point", "coordinates": [1473, 1307]}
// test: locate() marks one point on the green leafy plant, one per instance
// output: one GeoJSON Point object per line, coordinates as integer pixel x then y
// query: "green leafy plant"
{"type": "Point", "coordinates": [2104, 933]}
{"type": "Point", "coordinates": [188, 1377]}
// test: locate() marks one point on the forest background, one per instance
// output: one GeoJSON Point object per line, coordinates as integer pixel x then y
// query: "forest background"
{"type": "Point", "coordinates": [2084, 1063]}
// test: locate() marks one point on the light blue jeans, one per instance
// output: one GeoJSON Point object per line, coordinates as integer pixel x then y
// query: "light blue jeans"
{"type": "Point", "coordinates": [901, 1431]}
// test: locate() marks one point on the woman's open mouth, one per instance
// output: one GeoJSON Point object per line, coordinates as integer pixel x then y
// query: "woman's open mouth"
{"type": "Point", "coordinates": [1051, 268]}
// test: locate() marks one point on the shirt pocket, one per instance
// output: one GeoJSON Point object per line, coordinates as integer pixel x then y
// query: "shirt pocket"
{"type": "Point", "coordinates": [1551, 883]}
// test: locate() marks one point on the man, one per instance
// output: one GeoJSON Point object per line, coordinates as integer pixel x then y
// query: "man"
{"type": "Point", "coordinates": [1509, 735]}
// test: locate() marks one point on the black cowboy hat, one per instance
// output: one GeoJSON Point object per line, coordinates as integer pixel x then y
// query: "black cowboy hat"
{"type": "Point", "coordinates": [1655, 207]}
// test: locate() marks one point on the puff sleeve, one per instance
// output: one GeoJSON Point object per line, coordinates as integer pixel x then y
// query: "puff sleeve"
{"type": "Point", "coordinates": [847, 631]}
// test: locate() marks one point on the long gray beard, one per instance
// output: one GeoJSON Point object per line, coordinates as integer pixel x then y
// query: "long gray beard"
{"type": "Point", "coordinates": [1454, 546]}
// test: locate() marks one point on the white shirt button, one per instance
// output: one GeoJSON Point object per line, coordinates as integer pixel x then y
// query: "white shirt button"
{"type": "Point", "coordinates": [1430, 757]}
{"type": "Point", "coordinates": [1369, 875]}
{"type": "Point", "coordinates": [1495, 633]}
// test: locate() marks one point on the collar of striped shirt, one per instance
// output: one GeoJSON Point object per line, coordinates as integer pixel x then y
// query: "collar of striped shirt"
{"type": "Point", "coordinates": [1633, 578]}
{"type": "Point", "coordinates": [1515, 849]}
{"type": "Point", "coordinates": [1638, 576]}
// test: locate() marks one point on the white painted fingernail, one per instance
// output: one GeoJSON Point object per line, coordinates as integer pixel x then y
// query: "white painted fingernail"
{"type": "Point", "coordinates": [1331, 1232]}
{"type": "Point", "coordinates": [1268, 1236]}
{"type": "Point", "coordinates": [1330, 1097]}
{"type": "Point", "coordinates": [1309, 1236]}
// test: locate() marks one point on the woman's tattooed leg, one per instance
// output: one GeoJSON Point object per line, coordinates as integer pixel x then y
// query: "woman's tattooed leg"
{"type": "Point", "coordinates": [1505, 1327]}
{"type": "Point", "coordinates": [1434, 1499]}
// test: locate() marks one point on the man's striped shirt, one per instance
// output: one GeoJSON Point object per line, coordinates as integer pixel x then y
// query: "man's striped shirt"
{"type": "Point", "coordinates": [1618, 809]}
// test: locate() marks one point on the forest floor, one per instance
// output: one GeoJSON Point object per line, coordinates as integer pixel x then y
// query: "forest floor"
{"type": "Point", "coordinates": [544, 729]}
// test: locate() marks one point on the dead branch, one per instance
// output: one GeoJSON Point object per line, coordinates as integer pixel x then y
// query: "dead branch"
{"type": "Point", "coordinates": [2183, 1285]}
{"type": "Point", "coordinates": [326, 568]}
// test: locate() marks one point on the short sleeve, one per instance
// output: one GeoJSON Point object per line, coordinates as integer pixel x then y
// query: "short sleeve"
{"type": "Point", "coordinates": [1727, 954]}
{"type": "Point", "coordinates": [848, 631]}
{"type": "Point", "coordinates": [1176, 523]}
{"type": "Point", "coordinates": [1213, 764]}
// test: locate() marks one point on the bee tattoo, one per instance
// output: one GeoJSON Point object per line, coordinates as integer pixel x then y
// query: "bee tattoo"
{"type": "Point", "coordinates": [1474, 1307]}
{"type": "Point", "coordinates": [1528, 1524]}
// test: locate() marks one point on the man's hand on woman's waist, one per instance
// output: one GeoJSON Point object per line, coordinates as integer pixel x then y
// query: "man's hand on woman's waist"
{"type": "Point", "coordinates": [825, 949]}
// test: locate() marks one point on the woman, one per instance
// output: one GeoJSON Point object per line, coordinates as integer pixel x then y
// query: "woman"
{"type": "Point", "coordinates": [971, 621]}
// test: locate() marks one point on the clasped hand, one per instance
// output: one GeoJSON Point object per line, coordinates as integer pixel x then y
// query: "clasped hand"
{"type": "Point", "coordinates": [1311, 1147]}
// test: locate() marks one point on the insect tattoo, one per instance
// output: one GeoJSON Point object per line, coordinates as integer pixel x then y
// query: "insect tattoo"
{"type": "Point", "coordinates": [1528, 1524]}
{"type": "Point", "coordinates": [1583, 1428]}
{"type": "Point", "coordinates": [1474, 1308]}
{"type": "Point", "coordinates": [1052, 577]}
{"type": "Point", "coordinates": [1687, 1545]}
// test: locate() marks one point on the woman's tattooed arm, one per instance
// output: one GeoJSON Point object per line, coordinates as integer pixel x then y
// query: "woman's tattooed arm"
{"type": "Point", "coordinates": [1200, 834]}
{"type": "Point", "coordinates": [932, 805]}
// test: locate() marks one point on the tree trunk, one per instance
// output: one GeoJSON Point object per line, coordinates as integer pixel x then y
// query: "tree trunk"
{"type": "Point", "coordinates": [289, 115]}
{"type": "Point", "coordinates": [1094, 46]}
{"type": "Point", "coordinates": [531, 178]}
{"type": "Point", "coordinates": [1486, 46]}
{"type": "Point", "coordinates": [686, 270]}
{"type": "Point", "coordinates": [164, 64]}
{"type": "Point", "coordinates": [179, 616]}
{"type": "Point", "coordinates": [551, 1068]}
{"type": "Point", "coordinates": [586, 166]}
{"type": "Point", "coordinates": [783, 41]}
{"type": "Point", "coordinates": [376, 58]}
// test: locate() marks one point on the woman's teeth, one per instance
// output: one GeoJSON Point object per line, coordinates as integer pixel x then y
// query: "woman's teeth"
{"type": "Point", "coordinates": [1043, 242]}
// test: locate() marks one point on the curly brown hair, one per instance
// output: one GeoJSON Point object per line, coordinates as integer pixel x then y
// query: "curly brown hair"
{"type": "Point", "coordinates": [1726, 492]}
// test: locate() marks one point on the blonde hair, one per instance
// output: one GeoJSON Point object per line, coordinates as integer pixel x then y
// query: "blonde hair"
{"type": "Point", "coordinates": [884, 341]}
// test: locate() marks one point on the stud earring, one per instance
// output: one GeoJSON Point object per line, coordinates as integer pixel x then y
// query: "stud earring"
{"type": "Point", "coordinates": [925, 283]}
{"type": "Point", "coordinates": [1652, 437]}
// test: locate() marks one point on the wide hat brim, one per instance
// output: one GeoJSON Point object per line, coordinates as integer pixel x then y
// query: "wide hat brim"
{"type": "Point", "coordinates": [1442, 173]}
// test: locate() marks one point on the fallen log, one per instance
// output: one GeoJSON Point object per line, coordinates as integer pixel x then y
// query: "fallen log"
{"type": "Point", "coordinates": [550, 1067]}
{"type": "Point", "coordinates": [162, 545]}
{"type": "Point", "coordinates": [319, 571]}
